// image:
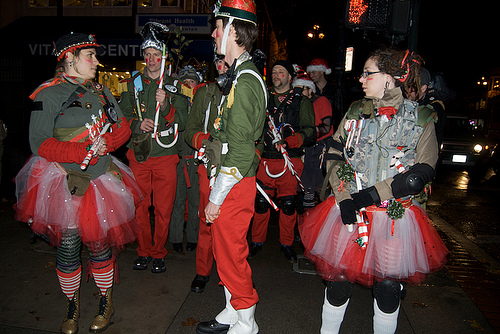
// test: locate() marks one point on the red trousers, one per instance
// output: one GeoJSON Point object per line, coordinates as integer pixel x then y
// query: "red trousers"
{"type": "Point", "coordinates": [285, 185]}
{"type": "Point", "coordinates": [157, 175]}
{"type": "Point", "coordinates": [204, 253]}
{"type": "Point", "coordinates": [230, 245]}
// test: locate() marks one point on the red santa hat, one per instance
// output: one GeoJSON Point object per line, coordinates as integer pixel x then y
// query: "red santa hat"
{"type": "Point", "coordinates": [319, 65]}
{"type": "Point", "coordinates": [302, 79]}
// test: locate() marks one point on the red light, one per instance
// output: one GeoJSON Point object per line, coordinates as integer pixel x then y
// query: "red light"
{"type": "Point", "coordinates": [356, 9]}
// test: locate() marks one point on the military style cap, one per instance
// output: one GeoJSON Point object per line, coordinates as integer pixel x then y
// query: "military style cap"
{"type": "Point", "coordinates": [73, 41]}
{"type": "Point", "coordinates": [240, 9]}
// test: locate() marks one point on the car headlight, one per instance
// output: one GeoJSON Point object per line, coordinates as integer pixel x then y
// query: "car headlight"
{"type": "Point", "coordinates": [478, 148]}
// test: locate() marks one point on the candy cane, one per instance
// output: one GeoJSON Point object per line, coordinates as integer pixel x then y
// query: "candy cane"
{"type": "Point", "coordinates": [157, 113]}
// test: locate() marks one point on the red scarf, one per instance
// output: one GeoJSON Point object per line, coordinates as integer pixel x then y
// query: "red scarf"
{"type": "Point", "coordinates": [388, 111]}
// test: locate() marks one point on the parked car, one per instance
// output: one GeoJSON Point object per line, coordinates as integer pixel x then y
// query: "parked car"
{"type": "Point", "coordinates": [464, 144]}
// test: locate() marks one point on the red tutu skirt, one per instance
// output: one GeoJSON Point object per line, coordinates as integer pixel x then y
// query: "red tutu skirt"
{"type": "Point", "coordinates": [404, 249]}
{"type": "Point", "coordinates": [104, 215]}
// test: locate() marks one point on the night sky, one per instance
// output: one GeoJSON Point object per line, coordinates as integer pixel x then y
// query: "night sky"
{"type": "Point", "coordinates": [456, 38]}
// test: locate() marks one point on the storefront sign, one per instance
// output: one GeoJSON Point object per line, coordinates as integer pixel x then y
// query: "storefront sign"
{"type": "Point", "coordinates": [190, 23]}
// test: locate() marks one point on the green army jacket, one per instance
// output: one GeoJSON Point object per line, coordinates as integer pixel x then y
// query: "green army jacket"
{"type": "Point", "coordinates": [147, 106]}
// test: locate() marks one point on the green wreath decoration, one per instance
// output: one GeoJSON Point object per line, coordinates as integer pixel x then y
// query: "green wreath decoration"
{"type": "Point", "coordinates": [395, 209]}
{"type": "Point", "coordinates": [346, 173]}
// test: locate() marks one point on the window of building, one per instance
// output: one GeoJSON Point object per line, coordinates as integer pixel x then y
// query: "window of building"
{"type": "Point", "coordinates": [145, 3]}
{"type": "Point", "coordinates": [111, 3]}
{"type": "Point", "coordinates": [172, 3]}
{"type": "Point", "coordinates": [43, 3]}
{"type": "Point", "coordinates": [74, 3]}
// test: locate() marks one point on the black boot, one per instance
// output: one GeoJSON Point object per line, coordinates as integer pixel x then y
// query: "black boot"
{"type": "Point", "coordinates": [289, 253]}
{"type": "Point", "coordinates": [211, 327]}
{"type": "Point", "coordinates": [254, 249]}
{"type": "Point", "coordinates": [199, 283]}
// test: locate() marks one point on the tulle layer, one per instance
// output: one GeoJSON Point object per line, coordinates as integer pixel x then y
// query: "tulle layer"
{"type": "Point", "coordinates": [404, 249]}
{"type": "Point", "coordinates": [104, 215]}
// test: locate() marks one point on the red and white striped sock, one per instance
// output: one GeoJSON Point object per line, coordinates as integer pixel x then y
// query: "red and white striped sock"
{"type": "Point", "coordinates": [103, 277]}
{"type": "Point", "coordinates": [70, 282]}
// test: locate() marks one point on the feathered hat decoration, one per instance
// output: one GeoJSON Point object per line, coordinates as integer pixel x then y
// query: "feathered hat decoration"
{"type": "Point", "coordinates": [154, 35]}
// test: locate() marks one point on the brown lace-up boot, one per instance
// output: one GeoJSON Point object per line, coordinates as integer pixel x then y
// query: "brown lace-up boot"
{"type": "Point", "coordinates": [70, 323]}
{"type": "Point", "coordinates": [103, 317]}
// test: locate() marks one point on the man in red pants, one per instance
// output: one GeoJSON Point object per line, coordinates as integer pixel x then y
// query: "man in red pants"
{"type": "Point", "coordinates": [238, 125]}
{"type": "Point", "coordinates": [293, 115]}
{"type": "Point", "coordinates": [203, 113]}
{"type": "Point", "coordinates": [154, 166]}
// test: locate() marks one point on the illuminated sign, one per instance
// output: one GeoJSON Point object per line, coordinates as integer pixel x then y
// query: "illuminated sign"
{"type": "Point", "coordinates": [367, 14]}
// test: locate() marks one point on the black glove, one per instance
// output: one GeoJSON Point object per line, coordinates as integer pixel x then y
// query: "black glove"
{"type": "Point", "coordinates": [412, 181]}
{"type": "Point", "coordinates": [366, 197]}
{"type": "Point", "coordinates": [348, 211]}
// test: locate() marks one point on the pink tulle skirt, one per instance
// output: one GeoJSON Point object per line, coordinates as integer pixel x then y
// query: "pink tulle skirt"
{"type": "Point", "coordinates": [104, 215]}
{"type": "Point", "coordinates": [404, 249]}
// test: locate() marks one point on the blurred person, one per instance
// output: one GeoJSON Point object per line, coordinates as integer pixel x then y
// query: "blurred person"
{"type": "Point", "coordinates": [65, 204]}
{"type": "Point", "coordinates": [318, 70]}
{"type": "Point", "coordinates": [238, 125]}
{"type": "Point", "coordinates": [293, 116]}
{"type": "Point", "coordinates": [374, 181]}
{"type": "Point", "coordinates": [187, 177]}
{"type": "Point", "coordinates": [202, 115]}
{"type": "Point", "coordinates": [312, 175]}
{"type": "Point", "coordinates": [154, 166]}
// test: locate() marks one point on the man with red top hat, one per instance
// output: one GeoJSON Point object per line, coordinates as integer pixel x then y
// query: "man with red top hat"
{"type": "Point", "coordinates": [238, 125]}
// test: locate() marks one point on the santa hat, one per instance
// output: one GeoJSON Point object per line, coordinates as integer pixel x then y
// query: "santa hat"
{"type": "Point", "coordinates": [302, 79]}
{"type": "Point", "coordinates": [319, 65]}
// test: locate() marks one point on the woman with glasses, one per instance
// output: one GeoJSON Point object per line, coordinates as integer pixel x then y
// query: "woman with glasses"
{"type": "Point", "coordinates": [372, 231]}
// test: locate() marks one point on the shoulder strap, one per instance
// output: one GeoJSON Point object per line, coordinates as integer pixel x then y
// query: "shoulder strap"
{"type": "Point", "coordinates": [426, 115]}
{"type": "Point", "coordinates": [258, 77]}
{"type": "Point", "coordinates": [136, 75]}
{"type": "Point", "coordinates": [72, 98]}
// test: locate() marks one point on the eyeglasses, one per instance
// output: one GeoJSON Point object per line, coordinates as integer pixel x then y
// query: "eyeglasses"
{"type": "Point", "coordinates": [365, 74]}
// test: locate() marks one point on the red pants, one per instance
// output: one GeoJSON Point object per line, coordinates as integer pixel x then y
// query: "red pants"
{"type": "Point", "coordinates": [204, 253]}
{"type": "Point", "coordinates": [159, 176]}
{"type": "Point", "coordinates": [285, 185]}
{"type": "Point", "coordinates": [230, 245]}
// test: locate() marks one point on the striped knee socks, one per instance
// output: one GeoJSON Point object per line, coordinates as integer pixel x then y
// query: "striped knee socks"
{"type": "Point", "coordinates": [70, 282]}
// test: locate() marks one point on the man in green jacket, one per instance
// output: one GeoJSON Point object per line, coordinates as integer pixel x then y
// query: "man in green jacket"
{"type": "Point", "coordinates": [154, 166]}
{"type": "Point", "coordinates": [238, 125]}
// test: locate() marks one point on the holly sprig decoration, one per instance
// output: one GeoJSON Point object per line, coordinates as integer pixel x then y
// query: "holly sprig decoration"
{"type": "Point", "coordinates": [395, 209]}
{"type": "Point", "coordinates": [346, 173]}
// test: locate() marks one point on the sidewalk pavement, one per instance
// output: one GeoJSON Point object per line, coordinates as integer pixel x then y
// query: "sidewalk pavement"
{"type": "Point", "coordinates": [290, 296]}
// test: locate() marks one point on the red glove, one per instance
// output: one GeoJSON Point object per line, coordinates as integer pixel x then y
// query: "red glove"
{"type": "Point", "coordinates": [198, 138]}
{"type": "Point", "coordinates": [120, 134]}
{"type": "Point", "coordinates": [294, 141]}
{"type": "Point", "coordinates": [65, 151]}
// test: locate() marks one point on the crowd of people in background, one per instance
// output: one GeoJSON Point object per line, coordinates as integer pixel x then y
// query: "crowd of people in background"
{"type": "Point", "coordinates": [209, 161]}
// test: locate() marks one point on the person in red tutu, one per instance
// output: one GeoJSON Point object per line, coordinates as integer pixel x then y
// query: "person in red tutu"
{"type": "Point", "coordinates": [371, 231]}
{"type": "Point", "coordinates": [69, 201]}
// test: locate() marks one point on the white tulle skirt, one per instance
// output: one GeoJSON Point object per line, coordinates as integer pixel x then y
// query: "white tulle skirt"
{"type": "Point", "coordinates": [104, 215]}
{"type": "Point", "coordinates": [404, 249]}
